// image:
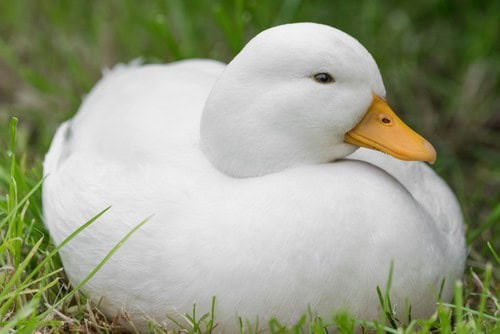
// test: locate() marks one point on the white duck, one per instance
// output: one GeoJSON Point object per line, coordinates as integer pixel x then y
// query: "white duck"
{"type": "Point", "coordinates": [241, 167]}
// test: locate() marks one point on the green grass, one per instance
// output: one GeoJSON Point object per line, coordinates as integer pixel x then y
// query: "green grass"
{"type": "Point", "coordinates": [440, 62]}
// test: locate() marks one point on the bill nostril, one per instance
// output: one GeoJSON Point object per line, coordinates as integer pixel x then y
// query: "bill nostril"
{"type": "Point", "coordinates": [386, 120]}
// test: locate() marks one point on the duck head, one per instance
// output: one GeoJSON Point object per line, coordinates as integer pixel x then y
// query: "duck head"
{"type": "Point", "coordinates": [298, 94]}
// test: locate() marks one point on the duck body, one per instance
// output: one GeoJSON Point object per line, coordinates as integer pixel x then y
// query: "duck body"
{"type": "Point", "coordinates": [322, 235]}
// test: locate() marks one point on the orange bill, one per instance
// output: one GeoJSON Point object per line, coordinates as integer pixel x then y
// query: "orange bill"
{"type": "Point", "coordinates": [382, 130]}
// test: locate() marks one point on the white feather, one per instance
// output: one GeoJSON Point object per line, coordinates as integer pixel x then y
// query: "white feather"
{"type": "Point", "coordinates": [301, 231]}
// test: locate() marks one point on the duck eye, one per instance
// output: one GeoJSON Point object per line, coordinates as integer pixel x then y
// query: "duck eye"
{"type": "Point", "coordinates": [323, 78]}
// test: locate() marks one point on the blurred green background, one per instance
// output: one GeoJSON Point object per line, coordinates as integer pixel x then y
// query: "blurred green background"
{"type": "Point", "coordinates": [439, 60]}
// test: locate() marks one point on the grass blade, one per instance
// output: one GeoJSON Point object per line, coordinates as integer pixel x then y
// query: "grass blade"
{"type": "Point", "coordinates": [99, 265]}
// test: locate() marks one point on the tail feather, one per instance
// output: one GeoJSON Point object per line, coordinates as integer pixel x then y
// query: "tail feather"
{"type": "Point", "coordinates": [59, 149]}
